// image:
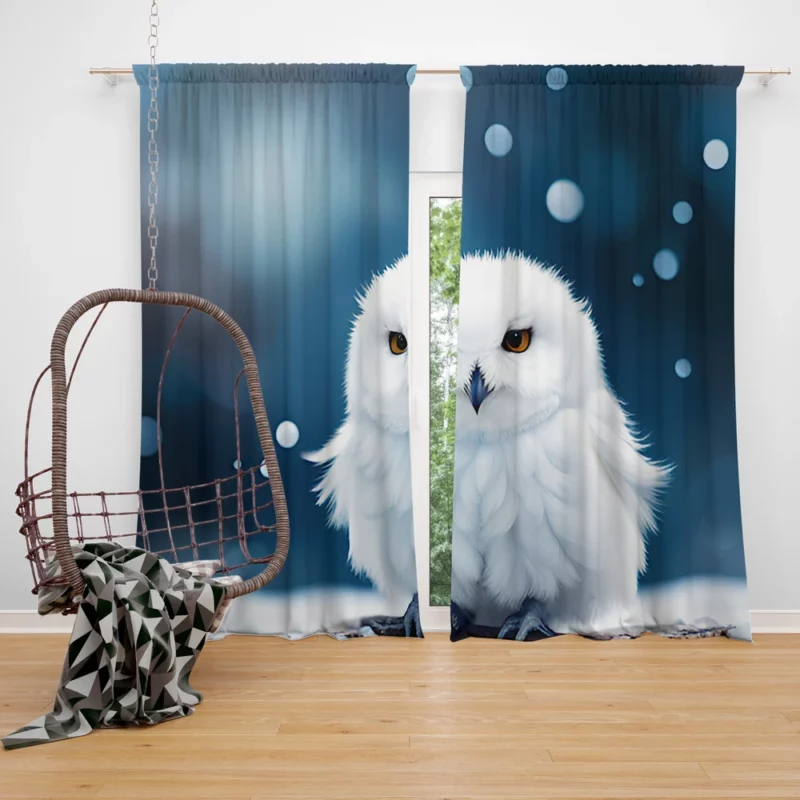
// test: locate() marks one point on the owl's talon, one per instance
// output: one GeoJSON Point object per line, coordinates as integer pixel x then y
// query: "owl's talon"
{"type": "Point", "coordinates": [408, 625]}
{"type": "Point", "coordinates": [411, 620]}
{"type": "Point", "coordinates": [528, 619]}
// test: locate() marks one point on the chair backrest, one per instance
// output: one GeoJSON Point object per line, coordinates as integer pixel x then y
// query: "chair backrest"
{"type": "Point", "coordinates": [69, 568]}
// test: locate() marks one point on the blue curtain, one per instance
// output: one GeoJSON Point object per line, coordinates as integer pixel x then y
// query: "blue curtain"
{"type": "Point", "coordinates": [283, 198]}
{"type": "Point", "coordinates": [596, 484]}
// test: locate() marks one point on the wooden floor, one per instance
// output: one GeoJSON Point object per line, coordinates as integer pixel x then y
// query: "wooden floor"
{"type": "Point", "coordinates": [389, 718]}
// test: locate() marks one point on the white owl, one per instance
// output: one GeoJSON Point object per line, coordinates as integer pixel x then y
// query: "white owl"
{"type": "Point", "coordinates": [367, 485]}
{"type": "Point", "coordinates": [553, 495]}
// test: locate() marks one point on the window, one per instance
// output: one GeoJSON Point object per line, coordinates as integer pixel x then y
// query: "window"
{"type": "Point", "coordinates": [444, 262]}
{"type": "Point", "coordinates": [435, 250]}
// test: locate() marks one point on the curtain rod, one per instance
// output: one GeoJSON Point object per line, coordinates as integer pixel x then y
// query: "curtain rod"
{"type": "Point", "coordinates": [767, 75]}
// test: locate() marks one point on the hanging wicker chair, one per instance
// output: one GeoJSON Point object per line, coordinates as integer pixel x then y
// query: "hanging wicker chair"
{"type": "Point", "coordinates": [238, 518]}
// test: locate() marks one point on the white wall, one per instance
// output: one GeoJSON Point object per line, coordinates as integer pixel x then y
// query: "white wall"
{"type": "Point", "coordinates": [69, 209]}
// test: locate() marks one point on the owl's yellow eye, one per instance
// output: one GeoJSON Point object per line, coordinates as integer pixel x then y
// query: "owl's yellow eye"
{"type": "Point", "coordinates": [517, 341]}
{"type": "Point", "coordinates": [398, 343]}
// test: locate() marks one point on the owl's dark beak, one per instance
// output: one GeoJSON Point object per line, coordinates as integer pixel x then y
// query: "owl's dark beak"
{"type": "Point", "coordinates": [477, 390]}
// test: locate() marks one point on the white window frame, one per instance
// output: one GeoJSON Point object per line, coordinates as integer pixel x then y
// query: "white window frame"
{"type": "Point", "coordinates": [423, 186]}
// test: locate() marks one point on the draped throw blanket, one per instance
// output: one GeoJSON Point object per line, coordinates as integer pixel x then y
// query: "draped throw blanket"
{"type": "Point", "coordinates": [137, 635]}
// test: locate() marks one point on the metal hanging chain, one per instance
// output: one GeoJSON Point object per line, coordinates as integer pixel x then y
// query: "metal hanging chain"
{"type": "Point", "coordinates": [152, 147]}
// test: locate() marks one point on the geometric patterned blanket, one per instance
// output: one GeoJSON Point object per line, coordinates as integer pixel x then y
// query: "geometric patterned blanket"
{"type": "Point", "coordinates": [140, 627]}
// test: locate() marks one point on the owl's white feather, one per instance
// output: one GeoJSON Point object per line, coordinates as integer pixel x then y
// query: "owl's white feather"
{"type": "Point", "coordinates": [367, 483]}
{"type": "Point", "coordinates": [553, 493]}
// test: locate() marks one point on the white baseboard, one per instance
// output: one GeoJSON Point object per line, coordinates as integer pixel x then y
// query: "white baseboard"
{"type": "Point", "coordinates": [775, 621]}
{"type": "Point", "coordinates": [31, 622]}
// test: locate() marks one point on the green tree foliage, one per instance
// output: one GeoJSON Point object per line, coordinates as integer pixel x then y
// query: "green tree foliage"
{"type": "Point", "coordinates": [445, 260]}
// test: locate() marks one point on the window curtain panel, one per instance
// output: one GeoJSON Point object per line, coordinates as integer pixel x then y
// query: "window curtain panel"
{"type": "Point", "coordinates": [283, 198]}
{"type": "Point", "coordinates": [596, 483]}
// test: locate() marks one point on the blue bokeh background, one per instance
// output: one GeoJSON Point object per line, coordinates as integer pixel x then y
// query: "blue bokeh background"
{"type": "Point", "coordinates": [282, 189]}
{"type": "Point", "coordinates": [632, 140]}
